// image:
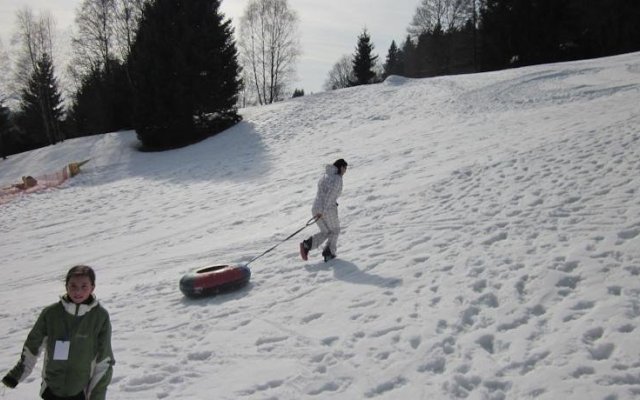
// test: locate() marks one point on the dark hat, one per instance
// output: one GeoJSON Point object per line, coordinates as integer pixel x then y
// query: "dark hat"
{"type": "Point", "coordinates": [339, 163]}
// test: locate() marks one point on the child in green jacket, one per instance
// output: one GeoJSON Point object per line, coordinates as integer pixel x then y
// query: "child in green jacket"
{"type": "Point", "coordinates": [75, 334]}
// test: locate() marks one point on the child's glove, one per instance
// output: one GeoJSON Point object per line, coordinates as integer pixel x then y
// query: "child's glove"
{"type": "Point", "coordinates": [9, 381]}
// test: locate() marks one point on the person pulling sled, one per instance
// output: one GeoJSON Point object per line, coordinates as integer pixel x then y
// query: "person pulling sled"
{"type": "Point", "coordinates": [325, 212]}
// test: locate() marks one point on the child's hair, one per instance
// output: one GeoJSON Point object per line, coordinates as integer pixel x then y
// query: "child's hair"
{"type": "Point", "coordinates": [81, 270]}
{"type": "Point", "coordinates": [339, 163]}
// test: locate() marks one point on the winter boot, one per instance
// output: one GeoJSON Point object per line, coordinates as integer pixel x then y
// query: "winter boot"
{"type": "Point", "coordinates": [305, 246]}
{"type": "Point", "coordinates": [327, 254]}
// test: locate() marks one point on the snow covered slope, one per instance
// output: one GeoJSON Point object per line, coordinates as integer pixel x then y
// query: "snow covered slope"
{"type": "Point", "coordinates": [490, 246]}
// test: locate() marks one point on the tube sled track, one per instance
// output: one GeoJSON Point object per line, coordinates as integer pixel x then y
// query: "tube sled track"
{"type": "Point", "coordinates": [213, 280]}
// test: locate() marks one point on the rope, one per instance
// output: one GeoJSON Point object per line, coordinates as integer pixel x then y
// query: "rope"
{"type": "Point", "coordinates": [310, 222]}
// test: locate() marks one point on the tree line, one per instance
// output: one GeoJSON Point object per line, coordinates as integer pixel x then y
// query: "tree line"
{"type": "Point", "coordinates": [170, 70]}
{"type": "Point", "coordinates": [174, 72]}
{"type": "Point", "coordinates": [465, 36]}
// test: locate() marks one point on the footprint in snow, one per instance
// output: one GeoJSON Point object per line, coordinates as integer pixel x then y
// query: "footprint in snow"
{"type": "Point", "coordinates": [436, 366]}
{"type": "Point", "coordinates": [328, 341]}
{"type": "Point", "coordinates": [614, 290]}
{"type": "Point", "coordinates": [387, 386]}
{"type": "Point", "coordinates": [494, 239]}
{"type": "Point", "coordinates": [629, 233]}
{"type": "Point", "coordinates": [582, 371]}
{"type": "Point", "coordinates": [479, 286]}
{"type": "Point", "coordinates": [568, 282]}
{"type": "Point", "coordinates": [628, 328]}
{"type": "Point", "coordinates": [569, 266]}
{"type": "Point", "coordinates": [311, 317]}
{"type": "Point", "coordinates": [487, 343]}
{"type": "Point", "coordinates": [592, 335]}
{"type": "Point", "coordinates": [602, 352]}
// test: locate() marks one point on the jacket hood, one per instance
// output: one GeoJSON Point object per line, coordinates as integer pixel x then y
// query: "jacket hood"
{"type": "Point", "coordinates": [331, 169]}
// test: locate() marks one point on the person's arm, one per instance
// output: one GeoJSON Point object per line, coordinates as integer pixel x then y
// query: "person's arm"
{"type": "Point", "coordinates": [103, 364]}
{"type": "Point", "coordinates": [32, 348]}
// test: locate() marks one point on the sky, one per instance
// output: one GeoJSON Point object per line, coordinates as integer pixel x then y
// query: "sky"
{"type": "Point", "coordinates": [488, 250]}
{"type": "Point", "coordinates": [328, 28]}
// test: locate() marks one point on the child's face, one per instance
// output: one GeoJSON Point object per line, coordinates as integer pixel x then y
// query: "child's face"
{"type": "Point", "coordinates": [79, 288]}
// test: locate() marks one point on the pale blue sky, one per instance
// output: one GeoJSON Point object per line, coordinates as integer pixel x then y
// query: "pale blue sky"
{"type": "Point", "coordinates": [328, 28]}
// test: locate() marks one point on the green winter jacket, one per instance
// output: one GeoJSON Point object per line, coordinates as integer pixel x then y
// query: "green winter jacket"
{"type": "Point", "coordinates": [88, 367]}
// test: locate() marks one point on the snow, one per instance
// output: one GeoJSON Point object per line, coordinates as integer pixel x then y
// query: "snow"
{"type": "Point", "coordinates": [489, 250]}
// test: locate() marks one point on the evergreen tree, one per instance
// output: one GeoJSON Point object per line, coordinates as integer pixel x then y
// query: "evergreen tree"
{"type": "Point", "coordinates": [215, 68]}
{"type": "Point", "coordinates": [432, 53]}
{"type": "Point", "coordinates": [4, 130]}
{"type": "Point", "coordinates": [85, 115]}
{"type": "Point", "coordinates": [410, 59]}
{"type": "Point", "coordinates": [103, 102]}
{"type": "Point", "coordinates": [363, 61]}
{"type": "Point", "coordinates": [298, 93]}
{"type": "Point", "coordinates": [393, 64]}
{"type": "Point", "coordinates": [185, 73]}
{"type": "Point", "coordinates": [601, 28]}
{"type": "Point", "coordinates": [11, 141]}
{"type": "Point", "coordinates": [462, 50]}
{"type": "Point", "coordinates": [41, 111]}
{"type": "Point", "coordinates": [525, 32]}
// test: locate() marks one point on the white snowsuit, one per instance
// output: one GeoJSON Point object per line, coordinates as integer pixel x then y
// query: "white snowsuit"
{"type": "Point", "coordinates": [329, 189]}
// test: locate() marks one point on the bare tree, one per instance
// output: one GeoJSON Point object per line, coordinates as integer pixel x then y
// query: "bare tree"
{"type": "Point", "coordinates": [127, 16]}
{"type": "Point", "coordinates": [445, 14]}
{"type": "Point", "coordinates": [5, 73]}
{"type": "Point", "coordinates": [269, 47]}
{"type": "Point", "coordinates": [94, 41]}
{"type": "Point", "coordinates": [341, 75]}
{"type": "Point", "coordinates": [34, 37]}
{"type": "Point", "coordinates": [105, 31]}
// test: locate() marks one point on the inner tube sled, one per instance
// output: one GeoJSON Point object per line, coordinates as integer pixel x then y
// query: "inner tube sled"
{"type": "Point", "coordinates": [212, 280]}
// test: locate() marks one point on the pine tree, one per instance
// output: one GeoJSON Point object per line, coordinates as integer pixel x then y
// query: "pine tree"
{"type": "Point", "coordinates": [410, 64]}
{"type": "Point", "coordinates": [363, 61]}
{"type": "Point", "coordinates": [4, 130]}
{"type": "Point", "coordinates": [393, 65]}
{"type": "Point", "coordinates": [216, 69]}
{"type": "Point", "coordinates": [103, 102]}
{"type": "Point", "coordinates": [432, 53]}
{"type": "Point", "coordinates": [41, 110]}
{"type": "Point", "coordinates": [185, 73]}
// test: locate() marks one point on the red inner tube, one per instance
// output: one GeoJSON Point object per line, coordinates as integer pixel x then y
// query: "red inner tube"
{"type": "Point", "coordinates": [214, 279]}
{"type": "Point", "coordinates": [216, 276]}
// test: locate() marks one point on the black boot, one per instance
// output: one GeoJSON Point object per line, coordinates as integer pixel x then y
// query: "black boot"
{"type": "Point", "coordinates": [327, 254]}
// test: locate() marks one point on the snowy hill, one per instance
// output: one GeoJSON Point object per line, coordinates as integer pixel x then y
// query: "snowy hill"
{"type": "Point", "coordinates": [490, 246]}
